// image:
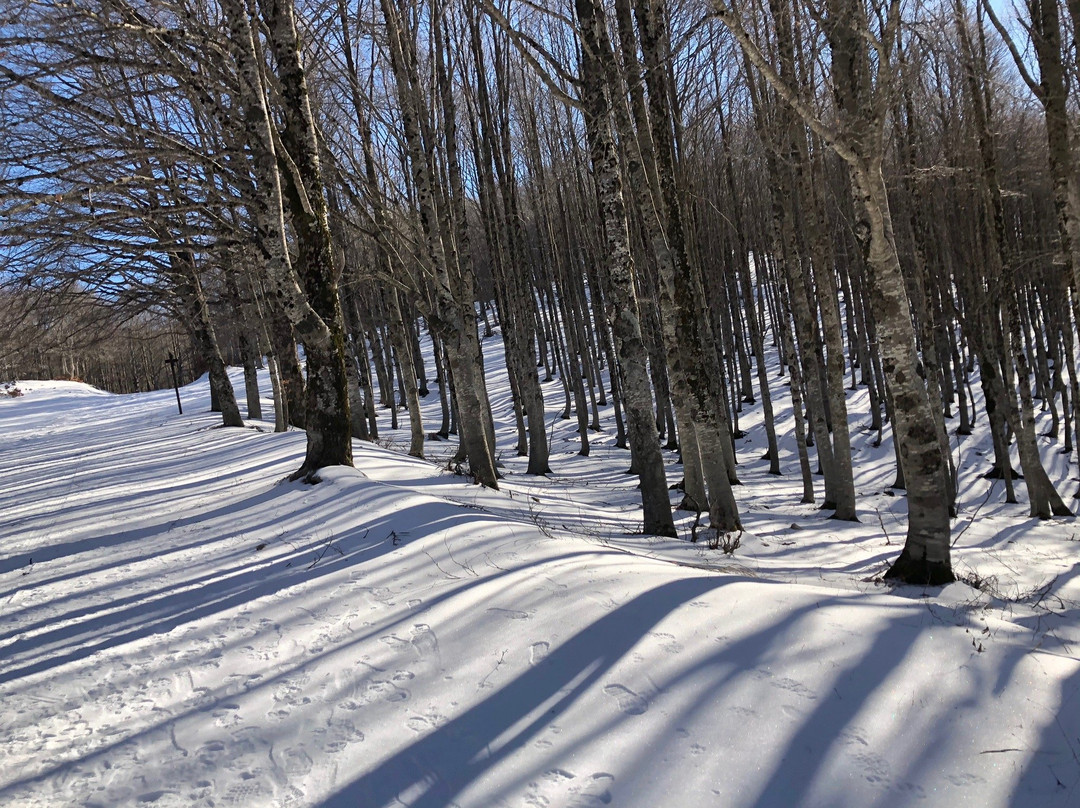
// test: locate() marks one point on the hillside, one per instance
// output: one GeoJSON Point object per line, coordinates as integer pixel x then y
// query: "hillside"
{"type": "Point", "coordinates": [181, 627]}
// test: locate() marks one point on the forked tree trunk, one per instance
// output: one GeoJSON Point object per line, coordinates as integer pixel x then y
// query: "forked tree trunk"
{"type": "Point", "coordinates": [314, 308]}
{"type": "Point", "coordinates": [622, 308]}
{"type": "Point", "coordinates": [448, 298]}
{"type": "Point", "coordinates": [685, 313]}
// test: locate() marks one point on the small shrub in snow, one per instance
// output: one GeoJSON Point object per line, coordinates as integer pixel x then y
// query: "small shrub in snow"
{"type": "Point", "coordinates": [728, 541]}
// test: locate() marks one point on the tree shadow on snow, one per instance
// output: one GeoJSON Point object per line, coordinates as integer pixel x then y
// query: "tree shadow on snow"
{"type": "Point", "coordinates": [230, 577]}
{"type": "Point", "coordinates": [1051, 778]}
{"type": "Point", "coordinates": [227, 693]}
{"type": "Point", "coordinates": [451, 757]}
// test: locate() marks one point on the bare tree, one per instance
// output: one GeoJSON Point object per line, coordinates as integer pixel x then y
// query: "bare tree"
{"type": "Point", "coordinates": [862, 83]}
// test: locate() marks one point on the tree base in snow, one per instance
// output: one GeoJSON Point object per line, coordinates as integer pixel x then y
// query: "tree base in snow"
{"type": "Point", "coordinates": [661, 530]}
{"type": "Point", "coordinates": [995, 473]}
{"type": "Point", "coordinates": [920, 571]}
{"type": "Point", "coordinates": [306, 474]}
{"type": "Point", "coordinates": [689, 505]}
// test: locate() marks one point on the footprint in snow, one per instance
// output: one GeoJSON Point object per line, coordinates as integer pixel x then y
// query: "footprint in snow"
{"type": "Point", "coordinates": [538, 652]}
{"type": "Point", "coordinates": [155, 796]}
{"type": "Point", "coordinates": [595, 792]}
{"type": "Point", "coordinates": [798, 688]}
{"type": "Point", "coordinates": [209, 753]}
{"type": "Point", "coordinates": [227, 715]}
{"type": "Point", "coordinates": [875, 768]}
{"type": "Point", "coordinates": [425, 723]}
{"type": "Point", "coordinates": [338, 736]}
{"type": "Point", "coordinates": [201, 791]}
{"type": "Point", "coordinates": [629, 702]}
{"type": "Point", "coordinates": [395, 642]}
{"type": "Point", "coordinates": [251, 790]}
{"type": "Point", "coordinates": [359, 695]}
{"type": "Point", "coordinates": [784, 683]}
{"type": "Point", "coordinates": [964, 779]}
{"type": "Point", "coordinates": [237, 623]}
{"type": "Point", "coordinates": [557, 590]}
{"type": "Point", "coordinates": [512, 614]}
{"type": "Point", "coordinates": [245, 741]}
{"type": "Point", "coordinates": [424, 640]}
{"type": "Point", "coordinates": [294, 762]}
{"type": "Point", "coordinates": [381, 594]}
{"type": "Point", "coordinates": [387, 691]}
{"type": "Point", "coordinates": [668, 643]}
{"type": "Point", "coordinates": [564, 788]}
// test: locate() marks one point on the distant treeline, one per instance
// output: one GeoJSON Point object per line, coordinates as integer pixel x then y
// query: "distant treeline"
{"type": "Point", "coordinates": [71, 334]}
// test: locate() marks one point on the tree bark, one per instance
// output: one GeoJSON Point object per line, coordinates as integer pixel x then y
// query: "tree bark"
{"type": "Point", "coordinates": [622, 308]}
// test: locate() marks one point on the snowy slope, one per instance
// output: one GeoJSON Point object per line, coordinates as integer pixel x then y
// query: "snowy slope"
{"type": "Point", "coordinates": [178, 626]}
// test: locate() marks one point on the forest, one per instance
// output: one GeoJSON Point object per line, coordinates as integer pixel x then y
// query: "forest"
{"type": "Point", "coordinates": [648, 199]}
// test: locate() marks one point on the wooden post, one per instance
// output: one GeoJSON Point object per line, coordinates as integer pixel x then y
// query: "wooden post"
{"type": "Point", "coordinates": [172, 362]}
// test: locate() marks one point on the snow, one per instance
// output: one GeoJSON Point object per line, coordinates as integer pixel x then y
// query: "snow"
{"type": "Point", "coordinates": [179, 626]}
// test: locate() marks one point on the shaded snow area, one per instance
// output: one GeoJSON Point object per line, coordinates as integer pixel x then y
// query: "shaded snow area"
{"type": "Point", "coordinates": [181, 627]}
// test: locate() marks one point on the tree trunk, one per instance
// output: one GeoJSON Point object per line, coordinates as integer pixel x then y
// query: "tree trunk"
{"type": "Point", "coordinates": [925, 558]}
{"type": "Point", "coordinates": [313, 308]}
{"type": "Point", "coordinates": [622, 310]}
{"type": "Point", "coordinates": [190, 291]}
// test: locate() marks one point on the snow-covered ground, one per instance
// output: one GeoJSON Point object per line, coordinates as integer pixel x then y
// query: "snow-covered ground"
{"type": "Point", "coordinates": [180, 627]}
